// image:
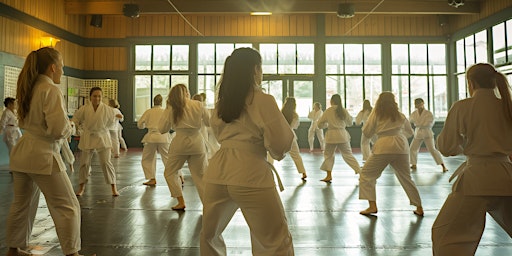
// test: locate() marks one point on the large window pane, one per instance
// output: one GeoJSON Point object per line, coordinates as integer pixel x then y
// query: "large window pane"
{"type": "Point", "coordinates": [469, 44]}
{"type": "Point", "coordinates": [305, 58]}
{"type": "Point", "coordinates": [399, 59]}
{"type": "Point", "coordinates": [400, 87]}
{"type": "Point", "coordinates": [372, 59]}
{"type": "Point", "coordinates": [206, 60]}
{"type": "Point", "coordinates": [180, 57]}
{"type": "Point", "coordinates": [269, 58]}
{"type": "Point", "coordinates": [143, 57]}
{"type": "Point", "coordinates": [354, 58]}
{"type": "Point", "coordinates": [481, 46]}
{"type": "Point", "coordinates": [461, 82]}
{"type": "Point", "coordinates": [354, 97]}
{"type": "Point", "coordinates": [418, 57]}
{"type": "Point", "coordinates": [459, 48]}
{"type": "Point", "coordinates": [439, 106]}
{"type": "Point", "coordinates": [142, 94]}
{"type": "Point", "coordinates": [498, 38]}
{"type": "Point", "coordinates": [334, 58]}
{"type": "Point", "coordinates": [303, 93]}
{"type": "Point", "coordinates": [286, 59]}
{"type": "Point", "coordinates": [206, 84]}
{"type": "Point", "coordinates": [437, 59]}
{"type": "Point", "coordinates": [372, 88]}
{"type": "Point", "coordinates": [161, 57]}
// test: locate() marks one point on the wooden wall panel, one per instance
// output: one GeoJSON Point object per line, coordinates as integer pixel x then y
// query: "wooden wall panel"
{"type": "Point", "coordinates": [106, 58]}
{"type": "Point", "coordinates": [488, 8]}
{"type": "Point", "coordinates": [383, 25]}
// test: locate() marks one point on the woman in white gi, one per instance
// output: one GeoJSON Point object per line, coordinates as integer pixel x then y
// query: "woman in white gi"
{"type": "Point", "coordinates": [336, 118]}
{"type": "Point", "coordinates": [115, 134]}
{"type": "Point", "coordinates": [9, 124]}
{"type": "Point", "coordinates": [292, 118]}
{"type": "Point", "coordinates": [35, 160]}
{"type": "Point", "coordinates": [247, 123]}
{"type": "Point", "coordinates": [423, 121]}
{"type": "Point", "coordinates": [153, 141]}
{"type": "Point", "coordinates": [478, 127]}
{"type": "Point", "coordinates": [95, 119]}
{"type": "Point", "coordinates": [391, 148]}
{"type": "Point", "coordinates": [185, 117]}
{"type": "Point", "coordinates": [361, 118]}
{"type": "Point", "coordinates": [314, 115]}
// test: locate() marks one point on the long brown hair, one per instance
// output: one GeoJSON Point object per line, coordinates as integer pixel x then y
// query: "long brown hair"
{"type": "Point", "coordinates": [484, 75]}
{"type": "Point", "coordinates": [288, 109]}
{"type": "Point", "coordinates": [177, 99]}
{"type": "Point", "coordinates": [237, 81]}
{"type": "Point", "coordinates": [37, 62]}
{"type": "Point", "coordinates": [336, 100]}
{"type": "Point", "coordinates": [386, 107]}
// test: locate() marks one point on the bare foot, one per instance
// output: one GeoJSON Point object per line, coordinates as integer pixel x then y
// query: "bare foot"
{"type": "Point", "coordinates": [368, 211]}
{"type": "Point", "coordinates": [114, 190]}
{"type": "Point", "coordinates": [304, 176]}
{"type": "Point", "coordinates": [419, 211]}
{"type": "Point", "coordinates": [17, 252]}
{"type": "Point", "coordinates": [413, 167]}
{"type": "Point", "coordinates": [80, 190]}
{"type": "Point", "coordinates": [151, 182]}
{"type": "Point", "coordinates": [179, 207]}
{"type": "Point", "coordinates": [328, 180]}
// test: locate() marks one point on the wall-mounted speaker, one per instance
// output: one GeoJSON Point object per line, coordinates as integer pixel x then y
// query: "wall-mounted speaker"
{"type": "Point", "coordinates": [345, 10]}
{"type": "Point", "coordinates": [96, 20]}
{"type": "Point", "coordinates": [131, 10]}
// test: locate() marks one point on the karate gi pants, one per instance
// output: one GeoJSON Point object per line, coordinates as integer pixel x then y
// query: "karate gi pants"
{"type": "Point", "coordinates": [109, 173]}
{"type": "Point", "coordinates": [346, 153]}
{"type": "Point", "coordinates": [365, 147]}
{"type": "Point", "coordinates": [114, 138]}
{"type": "Point", "coordinates": [196, 164]}
{"type": "Point", "coordinates": [373, 168]}
{"type": "Point", "coordinates": [62, 204]}
{"type": "Point", "coordinates": [430, 144]}
{"type": "Point", "coordinates": [263, 211]}
{"type": "Point", "coordinates": [149, 157]}
{"type": "Point", "coordinates": [460, 223]}
{"type": "Point", "coordinates": [311, 138]}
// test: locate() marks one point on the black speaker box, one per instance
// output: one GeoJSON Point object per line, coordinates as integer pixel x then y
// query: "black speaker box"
{"type": "Point", "coordinates": [96, 20]}
{"type": "Point", "coordinates": [131, 10]}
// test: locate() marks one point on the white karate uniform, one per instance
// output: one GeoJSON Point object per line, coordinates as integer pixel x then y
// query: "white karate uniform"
{"type": "Point", "coordinates": [188, 145]}
{"type": "Point", "coordinates": [478, 128]}
{"type": "Point", "coordinates": [361, 118]}
{"type": "Point", "coordinates": [314, 116]}
{"type": "Point", "coordinates": [337, 137]}
{"type": "Point", "coordinates": [423, 133]}
{"type": "Point", "coordinates": [95, 136]}
{"type": "Point", "coordinates": [391, 148]}
{"type": "Point", "coordinates": [114, 131]}
{"type": "Point", "coordinates": [239, 176]}
{"type": "Point", "coordinates": [153, 141]}
{"type": "Point", "coordinates": [9, 127]}
{"type": "Point", "coordinates": [37, 166]}
{"type": "Point", "coordinates": [212, 145]}
{"type": "Point", "coordinates": [295, 150]}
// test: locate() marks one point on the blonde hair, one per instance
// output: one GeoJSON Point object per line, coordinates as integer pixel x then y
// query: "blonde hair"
{"type": "Point", "coordinates": [37, 63]}
{"type": "Point", "coordinates": [177, 99]}
{"type": "Point", "coordinates": [484, 75]}
{"type": "Point", "coordinates": [386, 107]}
{"type": "Point", "coordinates": [157, 100]}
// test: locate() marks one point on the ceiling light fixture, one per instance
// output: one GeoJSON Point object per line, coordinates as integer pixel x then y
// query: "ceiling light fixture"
{"type": "Point", "coordinates": [345, 10]}
{"type": "Point", "coordinates": [260, 13]}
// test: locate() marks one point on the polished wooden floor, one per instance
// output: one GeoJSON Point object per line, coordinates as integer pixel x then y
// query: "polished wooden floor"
{"type": "Point", "coordinates": [323, 218]}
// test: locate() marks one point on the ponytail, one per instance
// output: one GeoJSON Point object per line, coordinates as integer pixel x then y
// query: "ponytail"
{"type": "Point", "coordinates": [504, 89]}
{"type": "Point", "coordinates": [26, 81]}
{"type": "Point", "coordinates": [37, 62]}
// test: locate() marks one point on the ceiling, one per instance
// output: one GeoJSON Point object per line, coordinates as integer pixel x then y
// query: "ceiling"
{"type": "Point", "coordinates": [115, 7]}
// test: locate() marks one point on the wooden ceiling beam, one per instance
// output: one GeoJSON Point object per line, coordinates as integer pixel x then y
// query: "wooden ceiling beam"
{"type": "Point", "coordinates": [285, 7]}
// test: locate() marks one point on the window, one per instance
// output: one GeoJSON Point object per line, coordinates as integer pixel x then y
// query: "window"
{"type": "Point", "coordinates": [419, 71]}
{"type": "Point", "coordinates": [502, 48]}
{"type": "Point", "coordinates": [469, 50]}
{"type": "Point", "coordinates": [157, 68]}
{"type": "Point", "coordinates": [354, 71]}
{"type": "Point", "coordinates": [210, 65]}
{"type": "Point", "coordinates": [288, 58]}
